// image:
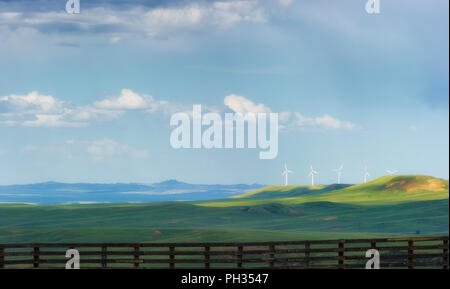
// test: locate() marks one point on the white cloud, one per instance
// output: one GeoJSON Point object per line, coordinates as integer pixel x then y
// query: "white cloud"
{"type": "Point", "coordinates": [243, 105]}
{"type": "Point", "coordinates": [287, 119]}
{"type": "Point", "coordinates": [108, 148]}
{"type": "Point", "coordinates": [284, 116]}
{"type": "Point", "coordinates": [32, 101]}
{"type": "Point", "coordinates": [36, 110]}
{"type": "Point", "coordinates": [86, 113]}
{"type": "Point", "coordinates": [51, 120]}
{"type": "Point", "coordinates": [151, 21]}
{"type": "Point", "coordinates": [127, 100]}
{"type": "Point", "coordinates": [326, 121]}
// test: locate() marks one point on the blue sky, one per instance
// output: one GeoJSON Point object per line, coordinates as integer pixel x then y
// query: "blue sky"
{"type": "Point", "coordinates": [88, 97]}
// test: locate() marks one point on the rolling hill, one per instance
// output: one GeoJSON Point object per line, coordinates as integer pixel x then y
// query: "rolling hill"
{"type": "Point", "coordinates": [388, 206]}
{"type": "Point", "coordinates": [272, 192]}
{"type": "Point", "coordinates": [382, 191]}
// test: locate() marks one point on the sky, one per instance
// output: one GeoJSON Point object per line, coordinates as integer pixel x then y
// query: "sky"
{"type": "Point", "coordinates": [88, 97]}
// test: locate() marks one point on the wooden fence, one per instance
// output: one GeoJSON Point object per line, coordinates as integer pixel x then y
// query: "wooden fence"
{"type": "Point", "coordinates": [422, 252]}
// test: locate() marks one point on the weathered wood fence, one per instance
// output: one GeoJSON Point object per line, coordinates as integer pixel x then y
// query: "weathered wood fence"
{"type": "Point", "coordinates": [422, 252]}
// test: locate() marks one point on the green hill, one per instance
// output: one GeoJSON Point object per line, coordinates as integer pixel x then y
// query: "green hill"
{"type": "Point", "coordinates": [388, 206]}
{"type": "Point", "coordinates": [382, 191]}
{"type": "Point", "coordinates": [271, 192]}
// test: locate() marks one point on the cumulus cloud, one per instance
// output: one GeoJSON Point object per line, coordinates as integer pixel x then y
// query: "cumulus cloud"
{"type": "Point", "coordinates": [33, 101]}
{"type": "Point", "coordinates": [243, 105]}
{"type": "Point", "coordinates": [127, 100]}
{"type": "Point", "coordinates": [287, 119]}
{"type": "Point", "coordinates": [37, 110]}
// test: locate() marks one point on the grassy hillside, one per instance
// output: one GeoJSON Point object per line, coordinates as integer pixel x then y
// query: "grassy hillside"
{"type": "Point", "coordinates": [397, 205]}
{"type": "Point", "coordinates": [271, 192]}
{"type": "Point", "coordinates": [63, 223]}
{"type": "Point", "coordinates": [382, 191]}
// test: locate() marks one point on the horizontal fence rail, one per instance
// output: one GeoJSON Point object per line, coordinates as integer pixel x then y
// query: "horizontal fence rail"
{"type": "Point", "coordinates": [421, 252]}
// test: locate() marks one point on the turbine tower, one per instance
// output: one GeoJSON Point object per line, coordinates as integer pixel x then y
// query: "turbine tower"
{"type": "Point", "coordinates": [311, 174]}
{"type": "Point", "coordinates": [339, 173]}
{"type": "Point", "coordinates": [366, 174]}
{"type": "Point", "coordinates": [285, 173]}
{"type": "Point", "coordinates": [391, 172]}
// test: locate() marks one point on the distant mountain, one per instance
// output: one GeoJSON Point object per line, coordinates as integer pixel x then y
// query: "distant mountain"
{"type": "Point", "coordinates": [170, 190]}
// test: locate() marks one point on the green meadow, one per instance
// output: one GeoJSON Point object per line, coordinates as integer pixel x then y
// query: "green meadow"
{"type": "Point", "coordinates": [388, 206]}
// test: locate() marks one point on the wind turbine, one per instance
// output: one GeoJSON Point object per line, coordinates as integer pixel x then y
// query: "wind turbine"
{"type": "Point", "coordinates": [391, 172]}
{"type": "Point", "coordinates": [366, 174]}
{"type": "Point", "coordinates": [285, 173]}
{"type": "Point", "coordinates": [311, 174]}
{"type": "Point", "coordinates": [339, 173]}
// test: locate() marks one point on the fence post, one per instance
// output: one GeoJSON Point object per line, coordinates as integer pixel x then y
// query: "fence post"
{"type": "Point", "coordinates": [272, 255]}
{"type": "Point", "coordinates": [36, 257]}
{"type": "Point", "coordinates": [207, 264]}
{"type": "Point", "coordinates": [136, 256]}
{"type": "Point", "coordinates": [445, 257]}
{"type": "Point", "coordinates": [410, 254]}
{"type": "Point", "coordinates": [104, 255]}
{"type": "Point", "coordinates": [240, 257]}
{"type": "Point", "coordinates": [2, 258]}
{"type": "Point", "coordinates": [341, 254]}
{"type": "Point", "coordinates": [172, 257]}
{"type": "Point", "coordinates": [307, 254]}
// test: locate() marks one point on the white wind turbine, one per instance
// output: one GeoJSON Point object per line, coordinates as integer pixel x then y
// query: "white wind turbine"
{"type": "Point", "coordinates": [285, 173]}
{"type": "Point", "coordinates": [339, 173]}
{"type": "Point", "coordinates": [391, 172]}
{"type": "Point", "coordinates": [366, 174]}
{"type": "Point", "coordinates": [311, 174]}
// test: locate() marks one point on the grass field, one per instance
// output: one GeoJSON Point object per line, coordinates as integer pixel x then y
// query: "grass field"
{"type": "Point", "coordinates": [389, 206]}
{"type": "Point", "coordinates": [116, 235]}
